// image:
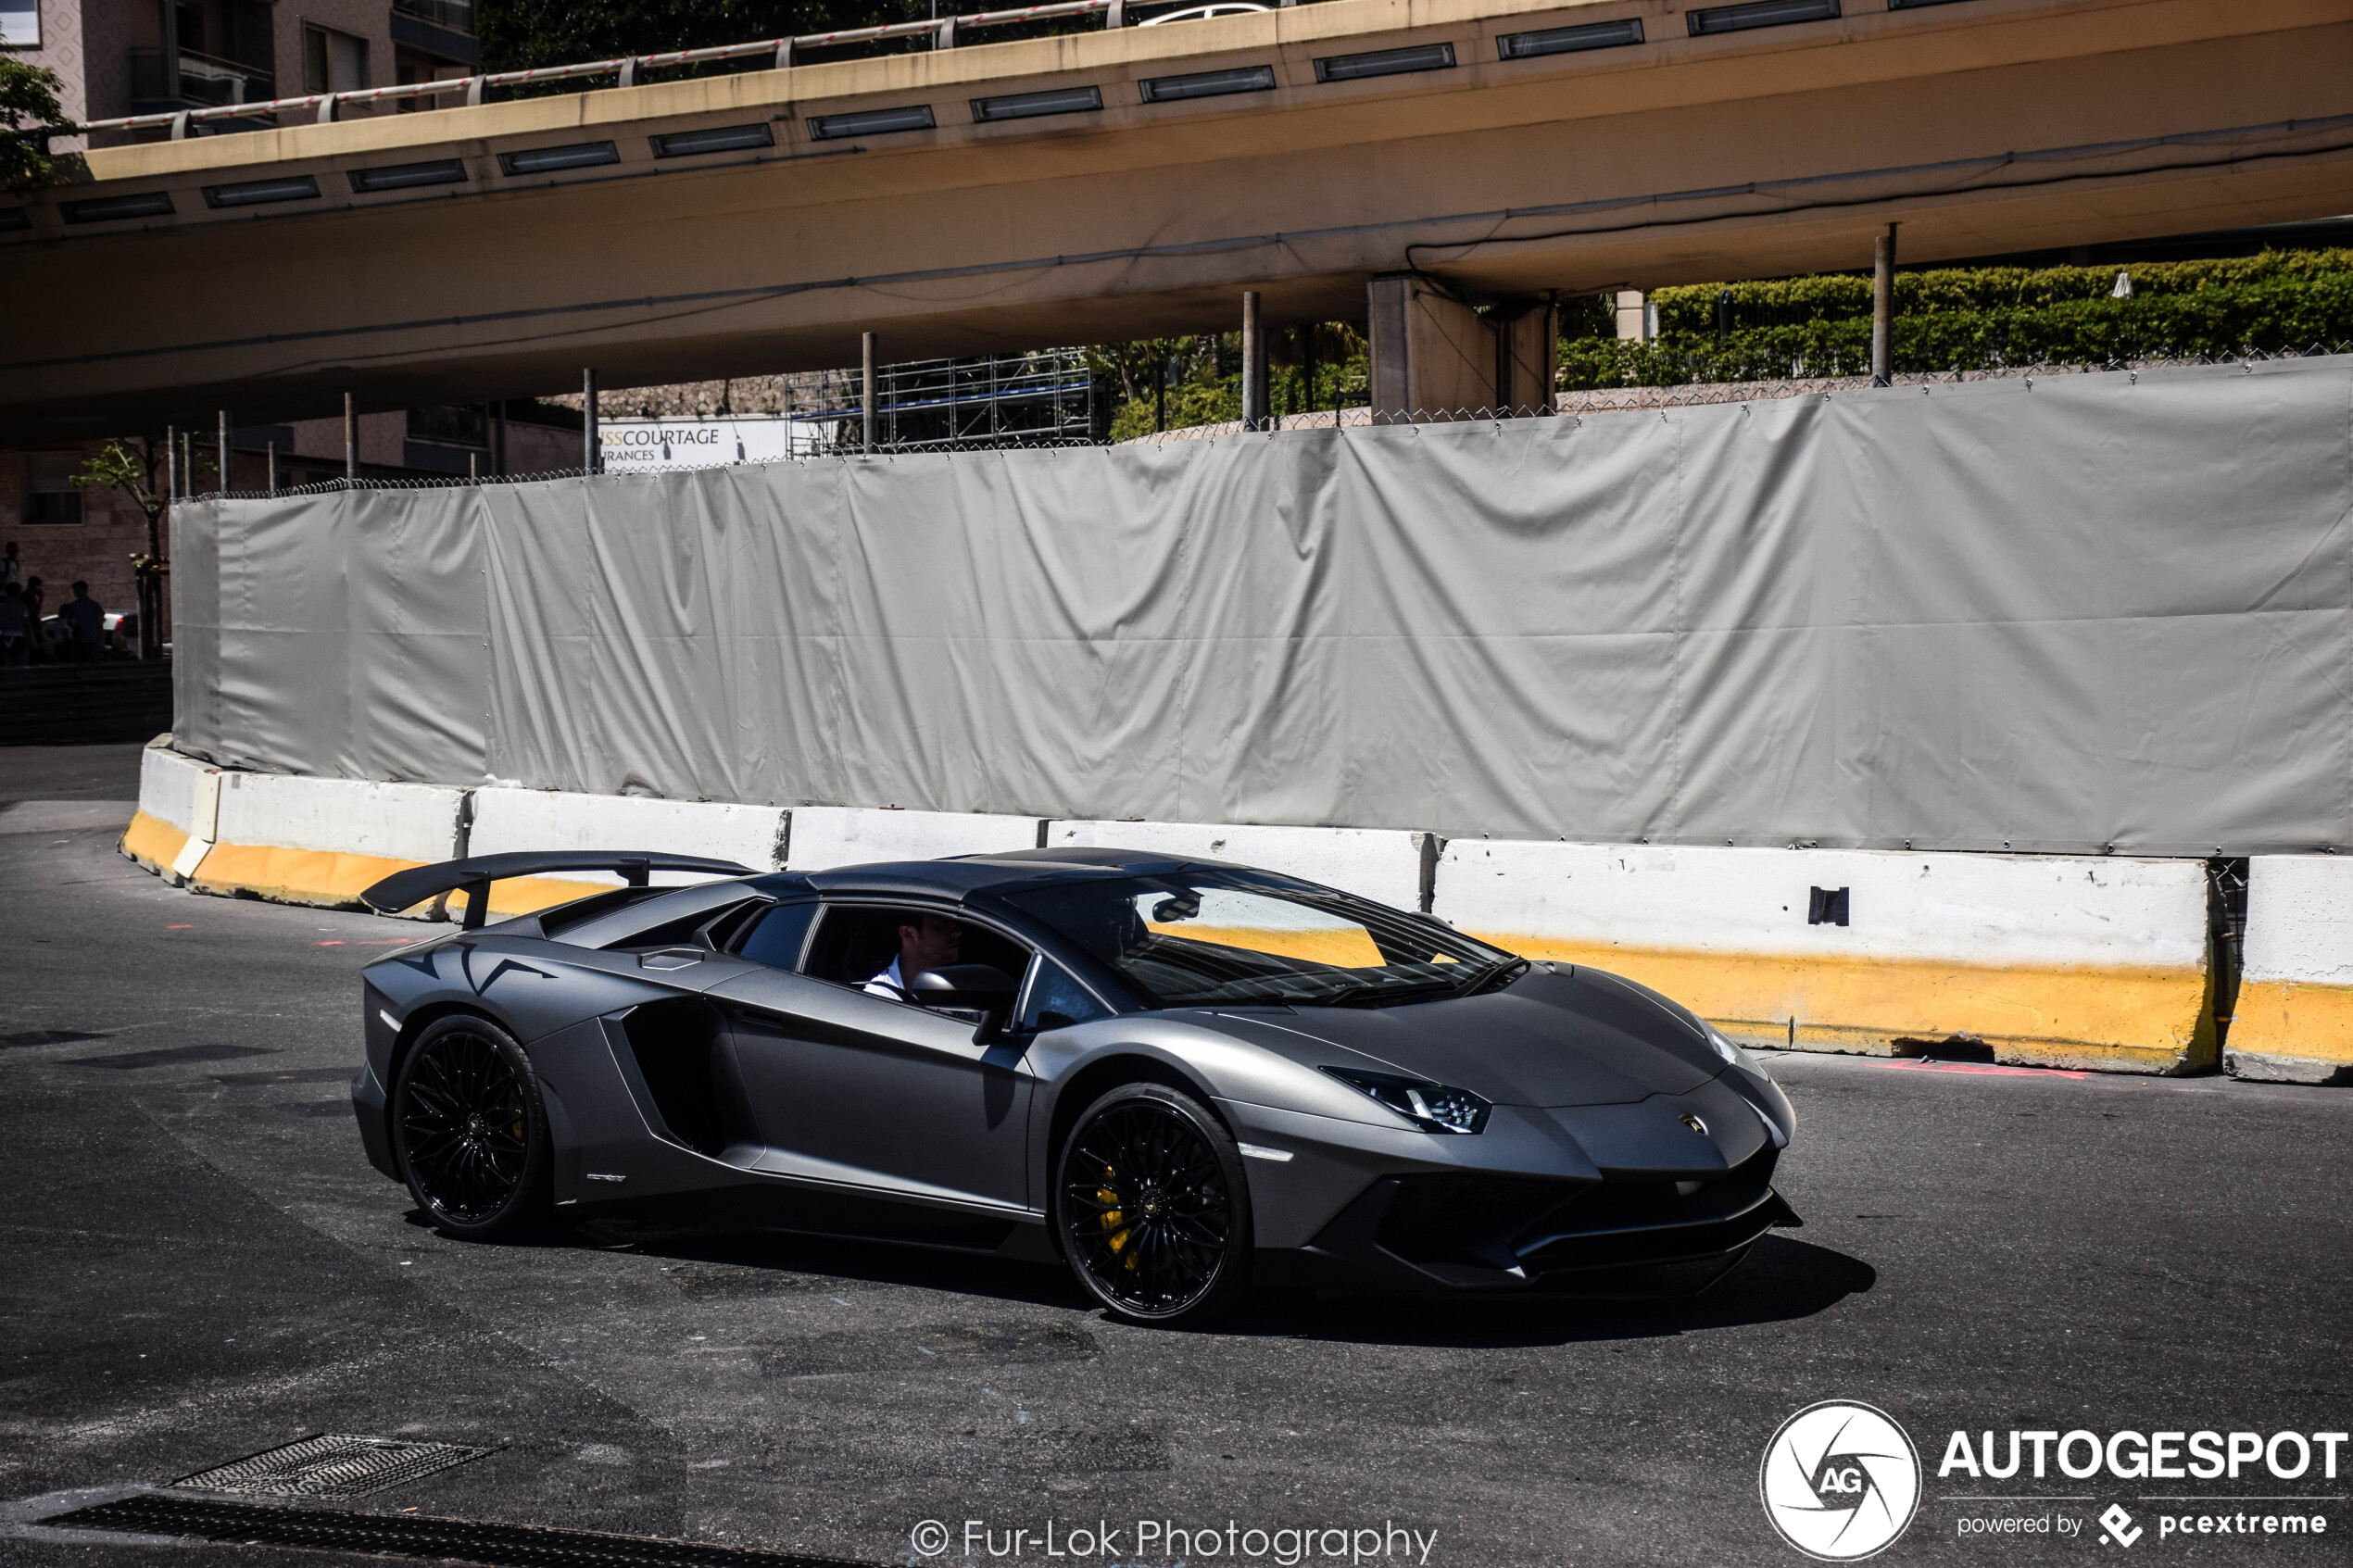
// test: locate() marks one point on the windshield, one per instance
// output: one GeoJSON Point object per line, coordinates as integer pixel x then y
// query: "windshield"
{"type": "Point", "coordinates": [1198, 937]}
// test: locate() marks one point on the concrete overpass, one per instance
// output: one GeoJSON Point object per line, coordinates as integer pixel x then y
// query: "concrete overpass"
{"type": "Point", "coordinates": [471, 253]}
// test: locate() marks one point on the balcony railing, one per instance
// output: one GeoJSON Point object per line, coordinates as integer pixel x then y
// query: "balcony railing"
{"type": "Point", "coordinates": [457, 15]}
{"type": "Point", "coordinates": [782, 53]}
{"type": "Point", "coordinates": [201, 80]}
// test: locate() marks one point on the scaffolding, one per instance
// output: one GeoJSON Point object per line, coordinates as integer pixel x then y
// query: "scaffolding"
{"type": "Point", "coordinates": [1047, 398]}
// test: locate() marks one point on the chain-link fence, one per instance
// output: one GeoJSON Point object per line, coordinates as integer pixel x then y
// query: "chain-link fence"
{"type": "Point", "coordinates": [1563, 404]}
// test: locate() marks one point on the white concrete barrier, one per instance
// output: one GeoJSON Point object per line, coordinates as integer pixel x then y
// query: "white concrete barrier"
{"type": "Point", "coordinates": [824, 836]}
{"type": "Point", "coordinates": [2048, 961]}
{"type": "Point", "coordinates": [2294, 1019]}
{"type": "Point", "coordinates": [322, 841]}
{"type": "Point", "coordinates": [508, 820]}
{"type": "Point", "coordinates": [1382, 864]}
{"type": "Point", "coordinates": [179, 802]}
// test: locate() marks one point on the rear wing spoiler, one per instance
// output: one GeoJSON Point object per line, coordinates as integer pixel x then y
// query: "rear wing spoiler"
{"type": "Point", "coordinates": [407, 889]}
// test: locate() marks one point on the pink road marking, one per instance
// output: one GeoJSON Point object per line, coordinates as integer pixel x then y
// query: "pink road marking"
{"type": "Point", "coordinates": [179, 928]}
{"type": "Point", "coordinates": [337, 943]}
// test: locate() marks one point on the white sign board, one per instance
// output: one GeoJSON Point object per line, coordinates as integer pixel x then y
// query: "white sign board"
{"type": "Point", "coordinates": [637, 444]}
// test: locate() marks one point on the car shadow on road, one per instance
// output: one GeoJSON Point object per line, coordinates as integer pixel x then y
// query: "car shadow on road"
{"type": "Point", "coordinates": [1781, 1279]}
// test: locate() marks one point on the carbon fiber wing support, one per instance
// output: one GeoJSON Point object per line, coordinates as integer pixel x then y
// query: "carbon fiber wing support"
{"type": "Point", "coordinates": [407, 889]}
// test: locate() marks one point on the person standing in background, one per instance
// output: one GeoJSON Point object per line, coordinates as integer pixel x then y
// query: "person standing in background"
{"type": "Point", "coordinates": [11, 568]}
{"type": "Point", "coordinates": [36, 640]}
{"type": "Point", "coordinates": [14, 642]}
{"type": "Point", "coordinates": [86, 624]}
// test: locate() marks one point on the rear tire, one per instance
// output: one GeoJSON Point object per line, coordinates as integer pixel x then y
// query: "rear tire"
{"type": "Point", "coordinates": [1153, 1210]}
{"type": "Point", "coordinates": [469, 1132]}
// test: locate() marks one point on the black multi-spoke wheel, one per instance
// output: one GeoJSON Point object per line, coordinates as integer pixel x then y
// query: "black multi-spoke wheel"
{"type": "Point", "coordinates": [471, 1136]}
{"type": "Point", "coordinates": [1151, 1207]}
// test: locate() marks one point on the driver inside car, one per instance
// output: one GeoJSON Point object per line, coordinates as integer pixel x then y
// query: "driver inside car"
{"type": "Point", "coordinates": [924, 942]}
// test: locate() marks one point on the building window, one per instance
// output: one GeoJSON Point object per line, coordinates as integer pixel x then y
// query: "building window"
{"type": "Point", "coordinates": [51, 495]}
{"type": "Point", "coordinates": [332, 62]}
{"type": "Point", "coordinates": [20, 24]}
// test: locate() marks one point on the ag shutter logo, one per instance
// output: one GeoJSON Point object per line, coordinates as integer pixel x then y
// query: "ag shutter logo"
{"type": "Point", "coordinates": [1840, 1481]}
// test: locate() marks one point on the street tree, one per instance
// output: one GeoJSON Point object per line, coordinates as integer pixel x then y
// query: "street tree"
{"type": "Point", "coordinates": [138, 466]}
{"type": "Point", "coordinates": [28, 103]}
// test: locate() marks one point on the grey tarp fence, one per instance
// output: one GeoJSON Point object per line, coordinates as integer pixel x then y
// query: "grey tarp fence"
{"type": "Point", "coordinates": [2064, 614]}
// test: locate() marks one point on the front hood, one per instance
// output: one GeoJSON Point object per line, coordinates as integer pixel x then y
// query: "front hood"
{"type": "Point", "coordinates": [1555, 1037]}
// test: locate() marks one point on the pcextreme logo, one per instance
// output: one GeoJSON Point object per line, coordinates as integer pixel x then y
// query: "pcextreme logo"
{"type": "Point", "coordinates": [1840, 1481]}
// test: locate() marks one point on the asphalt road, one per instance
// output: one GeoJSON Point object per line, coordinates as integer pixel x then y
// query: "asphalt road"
{"type": "Point", "coordinates": [196, 1263]}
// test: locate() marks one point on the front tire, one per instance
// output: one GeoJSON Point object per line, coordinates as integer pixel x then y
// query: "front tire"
{"type": "Point", "coordinates": [469, 1132]}
{"type": "Point", "coordinates": [1153, 1210]}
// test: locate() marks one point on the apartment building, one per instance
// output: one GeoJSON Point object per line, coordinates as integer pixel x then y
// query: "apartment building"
{"type": "Point", "coordinates": [120, 57]}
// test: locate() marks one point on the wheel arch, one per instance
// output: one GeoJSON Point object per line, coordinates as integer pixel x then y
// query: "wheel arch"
{"type": "Point", "coordinates": [1106, 1073]}
{"type": "Point", "coordinates": [414, 1024]}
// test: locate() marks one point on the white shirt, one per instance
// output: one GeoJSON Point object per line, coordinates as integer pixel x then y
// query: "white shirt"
{"type": "Point", "coordinates": [888, 985]}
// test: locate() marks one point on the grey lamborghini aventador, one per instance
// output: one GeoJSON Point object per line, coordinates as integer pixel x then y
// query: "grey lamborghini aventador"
{"type": "Point", "coordinates": [1175, 1076]}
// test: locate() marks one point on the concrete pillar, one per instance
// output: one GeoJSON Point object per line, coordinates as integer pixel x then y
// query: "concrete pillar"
{"type": "Point", "coordinates": [350, 440]}
{"type": "Point", "coordinates": [1634, 317]}
{"type": "Point", "coordinates": [1527, 359]}
{"type": "Point", "coordinates": [1883, 308]}
{"type": "Point", "coordinates": [866, 389]}
{"type": "Point", "coordinates": [1253, 364]}
{"type": "Point", "coordinates": [1436, 358]}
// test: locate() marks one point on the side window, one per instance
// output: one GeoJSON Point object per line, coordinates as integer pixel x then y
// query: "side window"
{"type": "Point", "coordinates": [857, 941]}
{"type": "Point", "coordinates": [1057, 1001]}
{"type": "Point", "coordinates": [776, 940]}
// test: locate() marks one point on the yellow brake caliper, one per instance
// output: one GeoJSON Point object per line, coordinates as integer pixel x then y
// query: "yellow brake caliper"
{"type": "Point", "coordinates": [1115, 1220]}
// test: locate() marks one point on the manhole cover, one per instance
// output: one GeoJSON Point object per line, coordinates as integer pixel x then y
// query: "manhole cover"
{"type": "Point", "coordinates": [330, 1466]}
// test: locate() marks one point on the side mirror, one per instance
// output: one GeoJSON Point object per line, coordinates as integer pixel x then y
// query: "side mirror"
{"type": "Point", "coordinates": [977, 987]}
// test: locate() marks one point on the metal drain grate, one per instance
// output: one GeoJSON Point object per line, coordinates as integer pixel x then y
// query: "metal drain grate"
{"type": "Point", "coordinates": [407, 1535]}
{"type": "Point", "coordinates": [330, 1466]}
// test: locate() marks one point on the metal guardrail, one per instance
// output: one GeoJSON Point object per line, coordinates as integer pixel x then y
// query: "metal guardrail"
{"type": "Point", "coordinates": [784, 53]}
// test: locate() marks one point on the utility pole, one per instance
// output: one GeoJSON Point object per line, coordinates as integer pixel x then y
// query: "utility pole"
{"type": "Point", "coordinates": [350, 441]}
{"type": "Point", "coordinates": [1883, 308]}
{"type": "Point", "coordinates": [588, 456]}
{"type": "Point", "coordinates": [866, 388]}
{"type": "Point", "coordinates": [171, 463]}
{"type": "Point", "coordinates": [273, 468]}
{"type": "Point", "coordinates": [1253, 364]}
{"type": "Point", "coordinates": [224, 451]}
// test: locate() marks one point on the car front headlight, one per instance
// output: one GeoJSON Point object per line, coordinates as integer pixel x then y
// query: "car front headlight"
{"type": "Point", "coordinates": [1434, 1107]}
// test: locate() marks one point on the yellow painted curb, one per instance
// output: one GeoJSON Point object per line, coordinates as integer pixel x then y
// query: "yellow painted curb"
{"type": "Point", "coordinates": [2295, 1030]}
{"type": "Point", "coordinates": [321, 877]}
{"type": "Point", "coordinates": [325, 878]}
{"type": "Point", "coordinates": [529, 894]}
{"type": "Point", "coordinates": [152, 842]}
{"type": "Point", "coordinates": [2114, 1019]}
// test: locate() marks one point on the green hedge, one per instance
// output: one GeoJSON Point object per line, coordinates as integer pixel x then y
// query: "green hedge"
{"type": "Point", "coordinates": [1980, 318]}
{"type": "Point", "coordinates": [1974, 318]}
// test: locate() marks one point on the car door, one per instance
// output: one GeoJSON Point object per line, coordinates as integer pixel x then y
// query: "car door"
{"type": "Point", "coordinates": [885, 1095]}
